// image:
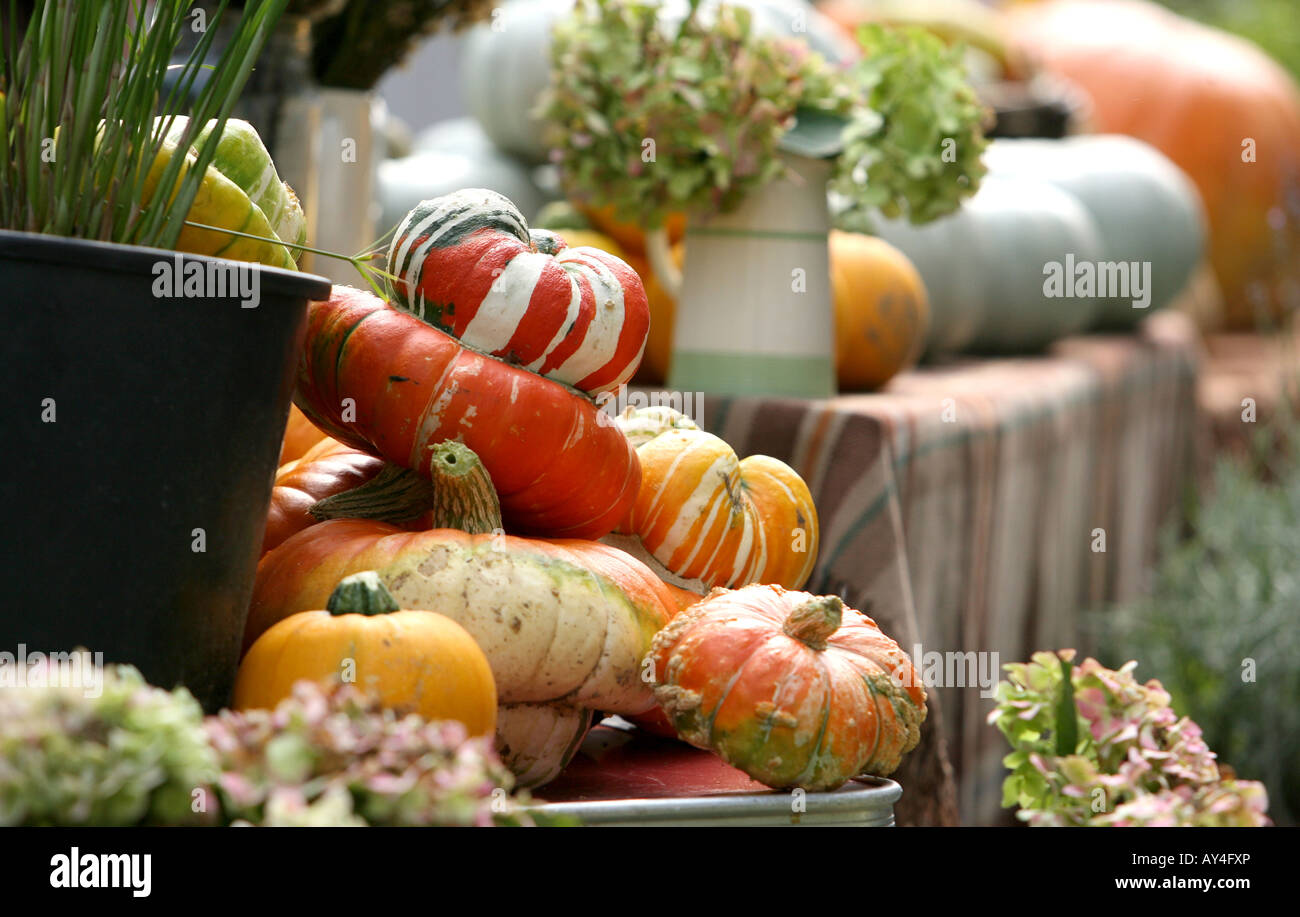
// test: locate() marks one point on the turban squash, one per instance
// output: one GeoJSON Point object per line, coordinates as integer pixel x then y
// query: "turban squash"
{"type": "Point", "coordinates": [413, 661]}
{"type": "Point", "coordinates": [565, 624]}
{"type": "Point", "coordinates": [706, 514]}
{"type": "Point", "coordinates": [467, 264]}
{"type": "Point", "coordinates": [380, 379]}
{"type": "Point", "coordinates": [794, 689]}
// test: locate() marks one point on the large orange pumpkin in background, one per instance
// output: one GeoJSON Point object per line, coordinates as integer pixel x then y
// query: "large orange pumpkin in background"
{"type": "Point", "coordinates": [1213, 103]}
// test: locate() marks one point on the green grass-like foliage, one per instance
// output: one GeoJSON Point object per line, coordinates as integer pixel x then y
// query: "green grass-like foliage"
{"type": "Point", "coordinates": [1093, 747]}
{"type": "Point", "coordinates": [133, 755]}
{"type": "Point", "coordinates": [1271, 24]}
{"type": "Point", "coordinates": [1221, 626]}
{"type": "Point", "coordinates": [716, 99]}
{"type": "Point", "coordinates": [77, 131]}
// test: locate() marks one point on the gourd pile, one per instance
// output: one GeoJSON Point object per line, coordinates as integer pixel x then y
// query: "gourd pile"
{"type": "Point", "coordinates": [440, 545]}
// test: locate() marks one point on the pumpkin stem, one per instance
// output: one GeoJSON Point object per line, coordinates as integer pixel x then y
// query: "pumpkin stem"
{"type": "Point", "coordinates": [361, 594]}
{"type": "Point", "coordinates": [463, 495]}
{"type": "Point", "coordinates": [813, 622]}
{"type": "Point", "coordinates": [394, 495]}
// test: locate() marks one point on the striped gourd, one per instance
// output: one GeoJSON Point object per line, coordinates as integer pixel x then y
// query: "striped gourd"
{"type": "Point", "coordinates": [220, 201]}
{"type": "Point", "coordinates": [706, 514]}
{"type": "Point", "coordinates": [243, 158]}
{"type": "Point", "coordinates": [467, 264]}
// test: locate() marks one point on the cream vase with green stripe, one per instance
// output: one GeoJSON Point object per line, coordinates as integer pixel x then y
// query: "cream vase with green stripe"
{"type": "Point", "coordinates": [755, 315]}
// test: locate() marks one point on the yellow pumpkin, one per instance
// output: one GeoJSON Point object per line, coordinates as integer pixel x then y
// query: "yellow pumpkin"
{"type": "Point", "coordinates": [630, 235]}
{"type": "Point", "coordinates": [706, 514]}
{"type": "Point", "coordinates": [882, 312]}
{"type": "Point", "coordinates": [413, 661]}
{"type": "Point", "coordinates": [577, 238]}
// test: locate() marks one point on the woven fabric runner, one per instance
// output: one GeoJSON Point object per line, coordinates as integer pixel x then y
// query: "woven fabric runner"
{"type": "Point", "coordinates": [964, 509]}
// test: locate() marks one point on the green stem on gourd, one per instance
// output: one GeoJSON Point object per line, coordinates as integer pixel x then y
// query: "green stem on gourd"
{"type": "Point", "coordinates": [463, 495]}
{"type": "Point", "coordinates": [361, 594]}
{"type": "Point", "coordinates": [357, 261]}
{"type": "Point", "coordinates": [813, 622]}
{"type": "Point", "coordinates": [394, 495]}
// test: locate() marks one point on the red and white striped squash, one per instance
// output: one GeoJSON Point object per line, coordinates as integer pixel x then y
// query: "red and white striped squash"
{"type": "Point", "coordinates": [706, 514]}
{"type": "Point", "coordinates": [467, 264]}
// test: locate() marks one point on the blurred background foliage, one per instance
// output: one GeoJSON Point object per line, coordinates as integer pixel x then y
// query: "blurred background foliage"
{"type": "Point", "coordinates": [1274, 25]}
{"type": "Point", "coordinates": [1220, 627]}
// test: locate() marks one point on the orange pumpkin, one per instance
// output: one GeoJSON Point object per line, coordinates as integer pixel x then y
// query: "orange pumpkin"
{"type": "Point", "coordinates": [413, 661]}
{"type": "Point", "coordinates": [1215, 104]}
{"type": "Point", "coordinates": [300, 434]}
{"type": "Point", "coordinates": [565, 624]}
{"type": "Point", "coordinates": [882, 312]}
{"type": "Point", "coordinates": [629, 235]}
{"type": "Point", "coordinates": [796, 690]}
{"type": "Point", "coordinates": [326, 469]}
{"type": "Point", "coordinates": [705, 514]}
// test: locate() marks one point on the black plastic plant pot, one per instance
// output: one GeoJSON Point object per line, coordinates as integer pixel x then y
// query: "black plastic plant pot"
{"type": "Point", "coordinates": [146, 398]}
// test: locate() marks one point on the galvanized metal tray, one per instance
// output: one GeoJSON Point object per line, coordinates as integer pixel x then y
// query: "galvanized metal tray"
{"type": "Point", "coordinates": [856, 804]}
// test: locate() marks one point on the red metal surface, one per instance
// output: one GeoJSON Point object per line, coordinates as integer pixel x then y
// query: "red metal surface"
{"type": "Point", "coordinates": [629, 764]}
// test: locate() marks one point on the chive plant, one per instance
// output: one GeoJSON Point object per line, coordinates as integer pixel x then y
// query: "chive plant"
{"type": "Point", "coordinates": [82, 87]}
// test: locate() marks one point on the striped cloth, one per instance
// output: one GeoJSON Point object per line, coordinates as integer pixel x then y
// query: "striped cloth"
{"type": "Point", "coordinates": [984, 506]}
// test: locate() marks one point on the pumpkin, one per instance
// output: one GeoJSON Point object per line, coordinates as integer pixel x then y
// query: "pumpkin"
{"type": "Point", "coordinates": [707, 515]}
{"type": "Point", "coordinates": [630, 236]}
{"type": "Point", "coordinates": [564, 623]}
{"type": "Point", "coordinates": [882, 312]}
{"type": "Point", "coordinates": [300, 434]}
{"type": "Point", "coordinates": [467, 264]}
{"type": "Point", "coordinates": [329, 468]}
{"type": "Point", "coordinates": [574, 226]}
{"type": "Point", "coordinates": [382, 380]}
{"type": "Point", "coordinates": [983, 266]}
{"type": "Point", "coordinates": [413, 661]}
{"type": "Point", "coordinates": [1146, 210]}
{"type": "Point", "coordinates": [1215, 104]}
{"type": "Point", "coordinates": [793, 689]}
{"type": "Point", "coordinates": [335, 481]}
